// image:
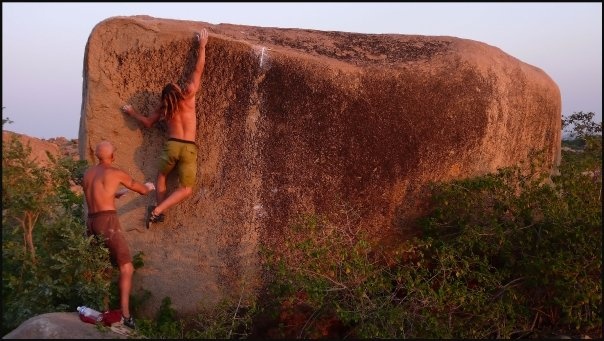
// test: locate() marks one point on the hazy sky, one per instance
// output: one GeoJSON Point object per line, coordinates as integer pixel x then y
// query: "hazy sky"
{"type": "Point", "coordinates": [43, 43]}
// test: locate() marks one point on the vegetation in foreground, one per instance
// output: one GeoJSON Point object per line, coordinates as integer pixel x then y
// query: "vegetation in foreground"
{"type": "Point", "coordinates": [506, 255]}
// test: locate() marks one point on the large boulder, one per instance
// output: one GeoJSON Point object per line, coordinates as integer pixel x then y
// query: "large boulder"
{"type": "Point", "coordinates": [294, 121]}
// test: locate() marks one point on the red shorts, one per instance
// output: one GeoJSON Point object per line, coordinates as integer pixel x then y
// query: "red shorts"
{"type": "Point", "coordinates": [107, 224]}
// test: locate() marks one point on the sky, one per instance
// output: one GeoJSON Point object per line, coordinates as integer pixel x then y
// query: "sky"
{"type": "Point", "coordinates": [43, 44]}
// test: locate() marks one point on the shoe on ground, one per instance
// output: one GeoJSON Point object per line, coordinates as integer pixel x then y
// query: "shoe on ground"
{"type": "Point", "coordinates": [129, 322]}
{"type": "Point", "coordinates": [152, 218]}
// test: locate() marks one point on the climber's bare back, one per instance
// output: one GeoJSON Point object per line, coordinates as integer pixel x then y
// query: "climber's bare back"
{"type": "Point", "coordinates": [183, 125]}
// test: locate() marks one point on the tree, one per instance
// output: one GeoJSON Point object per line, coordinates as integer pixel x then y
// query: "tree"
{"type": "Point", "coordinates": [581, 125]}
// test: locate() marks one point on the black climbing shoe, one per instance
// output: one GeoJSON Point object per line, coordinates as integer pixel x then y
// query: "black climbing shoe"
{"type": "Point", "coordinates": [128, 322]}
{"type": "Point", "coordinates": [152, 218]}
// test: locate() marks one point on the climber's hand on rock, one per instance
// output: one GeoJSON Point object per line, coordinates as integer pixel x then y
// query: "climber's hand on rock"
{"type": "Point", "coordinates": [202, 37]}
{"type": "Point", "coordinates": [126, 108]}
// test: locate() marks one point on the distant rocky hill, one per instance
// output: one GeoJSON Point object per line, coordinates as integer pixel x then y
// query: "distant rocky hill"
{"type": "Point", "coordinates": [66, 147]}
{"type": "Point", "coordinates": [40, 148]}
{"type": "Point", "coordinates": [57, 146]}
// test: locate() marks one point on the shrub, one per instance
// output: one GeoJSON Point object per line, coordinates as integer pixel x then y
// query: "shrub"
{"type": "Point", "coordinates": [504, 255]}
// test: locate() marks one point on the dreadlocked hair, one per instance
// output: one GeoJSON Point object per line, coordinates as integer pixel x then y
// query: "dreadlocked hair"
{"type": "Point", "coordinates": [170, 97]}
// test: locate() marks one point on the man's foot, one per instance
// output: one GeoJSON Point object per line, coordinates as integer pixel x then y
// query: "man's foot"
{"type": "Point", "coordinates": [152, 218]}
{"type": "Point", "coordinates": [128, 322]}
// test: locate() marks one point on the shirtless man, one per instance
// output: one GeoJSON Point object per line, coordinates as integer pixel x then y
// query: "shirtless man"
{"type": "Point", "coordinates": [100, 186]}
{"type": "Point", "coordinates": [177, 108]}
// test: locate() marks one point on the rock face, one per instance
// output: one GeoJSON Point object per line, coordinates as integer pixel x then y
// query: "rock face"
{"type": "Point", "coordinates": [294, 121]}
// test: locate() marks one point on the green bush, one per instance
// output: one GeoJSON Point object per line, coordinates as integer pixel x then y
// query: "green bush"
{"type": "Point", "coordinates": [514, 254]}
{"type": "Point", "coordinates": [535, 257]}
{"type": "Point", "coordinates": [223, 321]}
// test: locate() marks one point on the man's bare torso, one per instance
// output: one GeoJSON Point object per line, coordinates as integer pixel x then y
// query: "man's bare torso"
{"type": "Point", "coordinates": [183, 124]}
{"type": "Point", "coordinates": [100, 185]}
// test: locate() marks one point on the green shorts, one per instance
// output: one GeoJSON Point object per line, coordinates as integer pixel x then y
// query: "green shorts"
{"type": "Point", "coordinates": [183, 155]}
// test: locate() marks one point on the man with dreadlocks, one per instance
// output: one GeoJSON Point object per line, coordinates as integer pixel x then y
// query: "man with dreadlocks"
{"type": "Point", "coordinates": [177, 109]}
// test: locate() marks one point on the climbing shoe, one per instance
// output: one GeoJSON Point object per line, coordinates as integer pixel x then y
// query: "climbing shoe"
{"type": "Point", "coordinates": [152, 218]}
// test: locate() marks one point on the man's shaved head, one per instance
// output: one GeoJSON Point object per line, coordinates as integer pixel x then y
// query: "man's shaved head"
{"type": "Point", "coordinates": [104, 150]}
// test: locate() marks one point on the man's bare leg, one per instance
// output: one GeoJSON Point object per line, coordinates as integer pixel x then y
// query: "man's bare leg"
{"type": "Point", "coordinates": [160, 190]}
{"type": "Point", "coordinates": [177, 196]}
{"type": "Point", "coordinates": [126, 271]}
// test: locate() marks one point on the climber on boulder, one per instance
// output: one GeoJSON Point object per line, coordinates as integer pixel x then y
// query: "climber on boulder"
{"type": "Point", "coordinates": [177, 109]}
